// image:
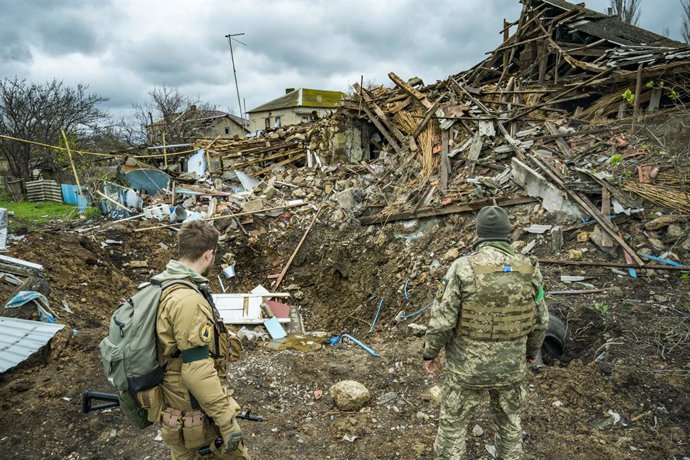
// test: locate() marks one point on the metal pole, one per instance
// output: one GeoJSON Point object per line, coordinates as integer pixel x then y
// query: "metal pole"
{"type": "Point", "coordinates": [234, 71]}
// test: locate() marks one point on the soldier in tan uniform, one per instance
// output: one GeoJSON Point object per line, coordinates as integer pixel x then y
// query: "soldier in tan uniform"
{"type": "Point", "coordinates": [193, 343]}
{"type": "Point", "coordinates": [491, 318]}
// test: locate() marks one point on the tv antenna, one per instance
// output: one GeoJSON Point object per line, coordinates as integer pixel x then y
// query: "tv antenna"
{"type": "Point", "coordinates": [231, 38]}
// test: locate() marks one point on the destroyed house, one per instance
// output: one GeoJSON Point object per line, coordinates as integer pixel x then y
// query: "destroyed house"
{"type": "Point", "coordinates": [557, 43]}
{"type": "Point", "coordinates": [296, 106]}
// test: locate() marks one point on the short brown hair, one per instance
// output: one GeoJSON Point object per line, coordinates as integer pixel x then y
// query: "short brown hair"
{"type": "Point", "coordinates": [195, 238]}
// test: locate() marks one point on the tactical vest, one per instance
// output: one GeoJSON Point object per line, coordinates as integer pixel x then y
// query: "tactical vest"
{"type": "Point", "coordinates": [502, 307]}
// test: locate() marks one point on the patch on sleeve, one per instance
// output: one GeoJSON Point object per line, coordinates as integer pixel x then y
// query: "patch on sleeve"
{"type": "Point", "coordinates": [205, 332]}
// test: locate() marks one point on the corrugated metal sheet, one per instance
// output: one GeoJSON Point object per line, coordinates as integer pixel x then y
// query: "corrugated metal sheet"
{"type": "Point", "coordinates": [20, 338]}
{"type": "Point", "coordinates": [43, 190]}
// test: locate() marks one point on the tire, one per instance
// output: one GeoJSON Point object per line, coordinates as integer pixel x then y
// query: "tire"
{"type": "Point", "coordinates": [554, 340]}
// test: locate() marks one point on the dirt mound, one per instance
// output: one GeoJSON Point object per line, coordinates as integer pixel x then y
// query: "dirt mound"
{"type": "Point", "coordinates": [625, 350]}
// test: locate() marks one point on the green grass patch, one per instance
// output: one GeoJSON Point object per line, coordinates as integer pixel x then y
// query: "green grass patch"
{"type": "Point", "coordinates": [33, 215]}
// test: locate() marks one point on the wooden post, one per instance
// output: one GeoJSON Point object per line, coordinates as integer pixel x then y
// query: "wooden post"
{"type": "Point", "coordinates": [74, 168]}
{"type": "Point", "coordinates": [606, 240]}
{"type": "Point", "coordinates": [543, 56]}
{"type": "Point", "coordinates": [116, 203]}
{"type": "Point", "coordinates": [557, 238]}
{"type": "Point", "coordinates": [506, 36]}
{"type": "Point", "coordinates": [638, 89]}
{"type": "Point", "coordinates": [443, 169]}
{"type": "Point", "coordinates": [165, 152]}
{"type": "Point", "coordinates": [172, 195]}
{"type": "Point", "coordinates": [654, 100]}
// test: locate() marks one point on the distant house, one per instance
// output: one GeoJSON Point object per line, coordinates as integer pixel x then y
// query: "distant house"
{"type": "Point", "coordinates": [194, 123]}
{"type": "Point", "coordinates": [214, 123]}
{"type": "Point", "coordinates": [296, 106]}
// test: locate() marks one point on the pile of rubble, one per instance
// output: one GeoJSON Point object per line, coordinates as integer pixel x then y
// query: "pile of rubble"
{"type": "Point", "coordinates": [552, 115]}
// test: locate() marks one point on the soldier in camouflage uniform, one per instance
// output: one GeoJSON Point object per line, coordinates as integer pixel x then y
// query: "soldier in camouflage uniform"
{"type": "Point", "coordinates": [491, 318]}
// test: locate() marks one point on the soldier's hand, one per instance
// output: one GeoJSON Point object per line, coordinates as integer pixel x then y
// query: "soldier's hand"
{"type": "Point", "coordinates": [433, 366]}
{"type": "Point", "coordinates": [532, 359]}
{"type": "Point", "coordinates": [232, 436]}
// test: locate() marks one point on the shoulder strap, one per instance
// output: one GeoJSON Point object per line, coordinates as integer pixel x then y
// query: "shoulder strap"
{"type": "Point", "coordinates": [166, 284]}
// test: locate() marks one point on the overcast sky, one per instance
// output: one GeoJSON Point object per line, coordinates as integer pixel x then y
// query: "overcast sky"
{"type": "Point", "coordinates": [124, 48]}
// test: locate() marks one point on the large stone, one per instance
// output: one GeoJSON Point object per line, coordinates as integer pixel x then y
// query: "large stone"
{"type": "Point", "coordinates": [418, 330]}
{"type": "Point", "coordinates": [661, 222]}
{"type": "Point", "coordinates": [346, 199]}
{"type": "Point", "coordinates": [674, 231]}
{"type": "Point", "coordinates": [349, 395]}
{"type": "Point", "coordinates": [299, 193]}
{"type": "Point", "coordinates": [452, 254]}
{"type": "Point", "coordinates": [656, 244]}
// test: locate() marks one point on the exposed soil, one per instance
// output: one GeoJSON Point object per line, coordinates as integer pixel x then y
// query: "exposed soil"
{"type": "Point", "coordinates": [629, 355]}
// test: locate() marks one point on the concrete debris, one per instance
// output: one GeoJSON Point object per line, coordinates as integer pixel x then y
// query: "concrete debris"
{"type": "Point", "coordinates": [349, 395]}
{"type": "Point", "coordinates": [528, 247]}
{"type": "Point", "coordinates": [538, 229]}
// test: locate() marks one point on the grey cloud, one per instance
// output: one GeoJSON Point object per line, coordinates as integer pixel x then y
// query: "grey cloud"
{"type": "Point", "coordinates": [70, 26]}
{"type": "Point", "coordinates": [291, 43]}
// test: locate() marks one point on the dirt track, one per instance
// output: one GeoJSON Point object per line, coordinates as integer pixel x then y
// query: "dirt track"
{"type": "Point", "coordinates": [642, 375]}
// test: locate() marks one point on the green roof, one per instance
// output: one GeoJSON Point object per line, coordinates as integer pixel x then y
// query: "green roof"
{"type": "Point", "coordinates": [303, 97]}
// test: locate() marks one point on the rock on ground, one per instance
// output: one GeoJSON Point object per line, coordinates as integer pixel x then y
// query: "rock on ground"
{"type": "Point", "coordinates": [349, 395]}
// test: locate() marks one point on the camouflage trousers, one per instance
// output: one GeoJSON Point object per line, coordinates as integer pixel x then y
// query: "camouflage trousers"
{"type": "Point", "coordinates": [459, 403]}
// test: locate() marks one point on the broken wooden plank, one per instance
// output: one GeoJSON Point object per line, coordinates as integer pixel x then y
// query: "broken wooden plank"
{"type": "Point", "coordinates": [269, 168]}
{"type": "Point", "coordinates": [655, 100]}
{"type": "Point", "coordinates": [475, 150]}
{"type": "Point", "coordinates": [383, 130]}
{"type": "Point", "coordinates": [606, 240]}
{"type": "Point", "coordinates": [562, 144]}
{"type": "Point", "coordinates": [21, 263]}
{"type": "Point", "coordinates": [444, 167]}
{"type": "Point", "coordinates": [588, 207]}
{"type": "Point", "coordinates": [427, 116]}
{"type": "Point", "coordinates": [451, 209]}
{"type": "Point", "coordinates": [559, 97]}
{"type": "Point", "coordinates": [383, 117]}
{"type": "Point", "coordinates": [638, 89]}
{"type": "Point", "coordinates": [410, 90]}
{"type": "Point", "coordinates": [267, 158]}
{"type": "Point", "coordinates": [299, 245]}
{"type": "Point", "coordinates": [392, 134]}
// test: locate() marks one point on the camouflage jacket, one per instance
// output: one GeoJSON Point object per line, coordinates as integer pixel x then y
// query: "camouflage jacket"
{"type": "Point", "coordinates": [478, 363]}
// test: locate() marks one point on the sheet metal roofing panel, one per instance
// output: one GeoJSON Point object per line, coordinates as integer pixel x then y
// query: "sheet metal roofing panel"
{"type": "Point", "coordinates": [20, 338]}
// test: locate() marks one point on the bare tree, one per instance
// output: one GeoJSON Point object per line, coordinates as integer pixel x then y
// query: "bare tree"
{"type": "Point", "coordinates": [685, 28]}
{"type": "Point", "coordinates": [37, 112]}
{"type": "Point", "coordinates": [170, 112]}
{"type": "Point", "coordinates": [626, 10]}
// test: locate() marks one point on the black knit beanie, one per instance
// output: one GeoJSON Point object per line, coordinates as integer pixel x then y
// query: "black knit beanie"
{"type": "Point", "coordinates": [493, 223]}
